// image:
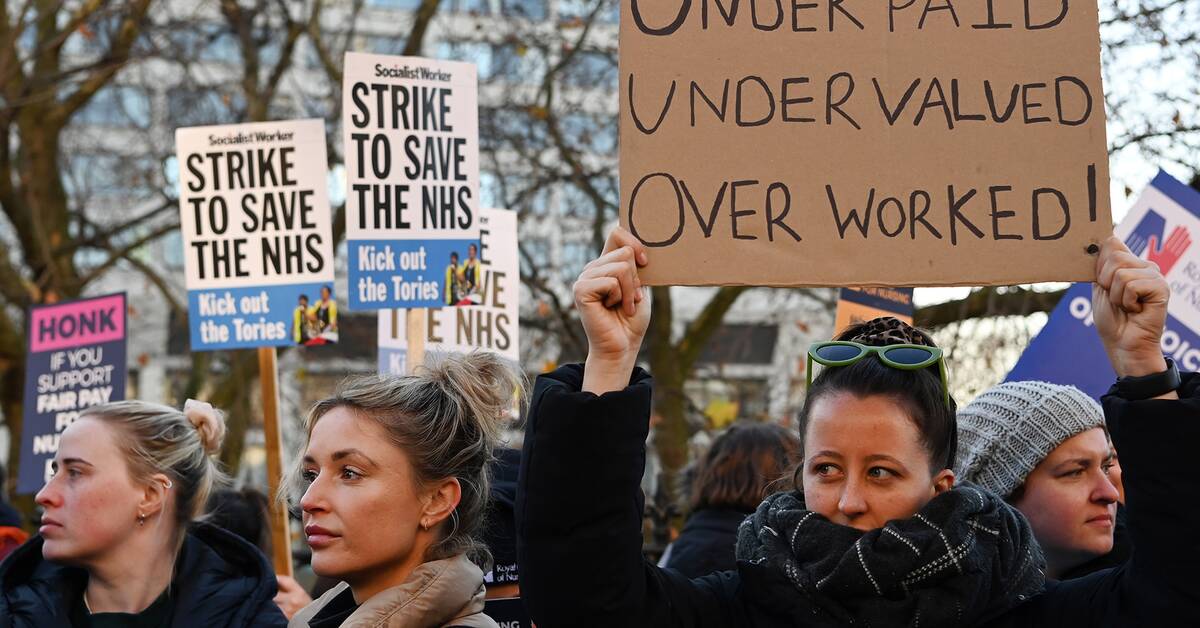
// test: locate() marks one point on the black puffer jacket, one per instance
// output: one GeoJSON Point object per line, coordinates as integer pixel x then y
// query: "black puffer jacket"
{"type": "Point", "coordinates": [580, 550]}
{"type": "Point", "coordinates": [705, 545]}
{"type": "Point", "coordinates": [221, 581]}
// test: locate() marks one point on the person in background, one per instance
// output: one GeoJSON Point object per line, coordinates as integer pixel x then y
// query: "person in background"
{"type": "Point", "coordinates": [12, 535]}
{"type": "Point", "coordinates": [119, 546]}
{"type": "Point", "coordinates": [1044, 447]}
{"type": "Point", "coordinates": [727, 484]}
{"type": "Point", "coordinates": [245, 513]}
{"type": "Point", "coordinates": [395, 488]}
{"type": "Point", "coordinates": [503, 582]}
{"type": "Point", "coordinates": [242, 512]}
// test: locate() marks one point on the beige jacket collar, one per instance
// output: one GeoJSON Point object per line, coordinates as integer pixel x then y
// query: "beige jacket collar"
{"type": "Point", "coordinates": [438, 593]}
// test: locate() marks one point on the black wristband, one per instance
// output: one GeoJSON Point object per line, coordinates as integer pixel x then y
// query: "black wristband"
{"type": "Point", "coordinates": [1150, 386]}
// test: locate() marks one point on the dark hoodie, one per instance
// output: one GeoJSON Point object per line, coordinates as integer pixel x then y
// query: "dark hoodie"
{"type": "Point", "coordinates": [221, 581]}
{"type": "Point", "coordinates": [500, 532]}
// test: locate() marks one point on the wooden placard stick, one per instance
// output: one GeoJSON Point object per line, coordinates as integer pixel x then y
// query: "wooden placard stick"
{"type": "Point", "coordinates": [418, 329]}
{"type": "Point", "coordinates": [281, 540]}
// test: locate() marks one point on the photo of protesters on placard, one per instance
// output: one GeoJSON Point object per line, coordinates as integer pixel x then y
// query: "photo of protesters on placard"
{"type": "Point", "coordinates": [301, 333]}
{"type": "Point", "coordinates": [315, 323]}
{"type": "Point", "coordinates": [324, 317]}
{"type": "Point", "coordinates": [463, 278]}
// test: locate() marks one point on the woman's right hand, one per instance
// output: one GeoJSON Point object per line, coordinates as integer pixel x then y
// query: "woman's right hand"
{"type": "Point", "coordinates": [614, 311]}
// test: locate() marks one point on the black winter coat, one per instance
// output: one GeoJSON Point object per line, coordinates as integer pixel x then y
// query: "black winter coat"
{"type": "Point", "coordinates": [221, 581]}
{"type": "Point", "coordinates": [707, 542]}
{"type": "Point", "coordinates": [579, 525]}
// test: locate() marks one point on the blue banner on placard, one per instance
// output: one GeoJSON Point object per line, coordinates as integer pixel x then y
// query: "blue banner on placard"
{"type": "Point", "coordinates": [392, 361]}
{"type": "Point", "coordinates": [76, 360]}
{"type": "Point", "coordinates": [262, 316]}
{"type": "Point", "coordinates": [1161, 228]}
{"type": "Point", "coordinates": [410, 273]}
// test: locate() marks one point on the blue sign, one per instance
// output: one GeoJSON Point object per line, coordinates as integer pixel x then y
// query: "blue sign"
{"type": "Point", "coordinates": [76, 360]}
{"type": "Point", "coordinates": [409, 273]}
{"type": "Point", "coordinates": [1165, 229]}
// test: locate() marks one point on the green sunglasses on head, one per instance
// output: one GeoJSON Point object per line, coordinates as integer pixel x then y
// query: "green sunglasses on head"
{"type": "Point", "coordinates": [903, 357]}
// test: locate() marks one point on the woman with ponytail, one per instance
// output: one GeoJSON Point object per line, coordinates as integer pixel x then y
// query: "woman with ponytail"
{"type": "Point", "coordinates": [395, 485]}
{"type": "Point", "coordinates": [119, 544]}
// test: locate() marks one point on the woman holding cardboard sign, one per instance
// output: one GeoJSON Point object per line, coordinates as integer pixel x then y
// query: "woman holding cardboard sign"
{"type": "Point", "coordinates": [875, 532]}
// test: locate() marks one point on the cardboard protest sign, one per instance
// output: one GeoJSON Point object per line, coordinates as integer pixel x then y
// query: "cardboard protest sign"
{"type": "Point", "coordinates": [860, 143]}
{"type": "Point", "coordinates": [1163, 227]}
{"type": "Point", "coordinates": [411, 129]}
{"type": "Point", "coordinates": [76, 360]}
{"type": "Point", "coordinates": [491, 325]}
{"type": "Point", "coordinates": [863, 304]}
{"type": "Point", "coordinates": [257, 234]}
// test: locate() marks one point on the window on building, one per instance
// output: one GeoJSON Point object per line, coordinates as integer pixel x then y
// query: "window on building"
{"type": "Point", "coordinates": [592, 69]}
{"type": "Point", "coordinates": [394, 4]}
{"type": "Point", "coordinates": [535, 252]}
{"type": "Point", "coordinates": [528, 9]}
{"type": "Point", "coordinates": [594, 133]}
{"type": "Point", "coordinates": [93, 38]}
{"type": "Point", "coordinates": [118, 106]}
{"type": "Point", "coordinates": [172, 249]}
{"type": "Point", "coordinates": [510, 125]}
{"type": "Point", "coordinates": [524, 195]}
{"type": "Point", "coordinates": [221, 48]}
{"type": "Point", "coordinates": [575, 255]}
{"type": "Point", "coordinates": [379, 44]}
{"type": "Point", "coordinates": [575, 202]}
{"type": "Point", "coordinates": [209, 43]}
{"type": "Point", "coordinates": [89, 176]}
{"type": "Point", "coordinates": [518, 63]}
{"type": "Point", "coordinates": [579, 10]}
{"type": "Point", "coordinates": [477, 52]}
{"type": "Point", "coordinates": [188, 106]}
{"type": "Point", "coordinates": [490, 194]}
{"type": "Point", "coordinates": [474, 7]}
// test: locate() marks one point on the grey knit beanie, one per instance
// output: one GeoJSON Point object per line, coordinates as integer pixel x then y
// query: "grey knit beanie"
{"type": "Point", "coordinates": [1009, 429]}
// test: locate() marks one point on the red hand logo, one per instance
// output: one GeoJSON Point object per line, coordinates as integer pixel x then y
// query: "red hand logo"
{"type": "Point", "coordinates": [1176, 245]}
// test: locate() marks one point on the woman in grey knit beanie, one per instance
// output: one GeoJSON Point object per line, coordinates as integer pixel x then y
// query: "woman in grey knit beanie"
{"type": "Point", "coordinates": [1044, 448]}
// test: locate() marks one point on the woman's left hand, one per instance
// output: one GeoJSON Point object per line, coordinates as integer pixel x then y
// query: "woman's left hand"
{"type": "Point", "coordinates": [1129, 305]}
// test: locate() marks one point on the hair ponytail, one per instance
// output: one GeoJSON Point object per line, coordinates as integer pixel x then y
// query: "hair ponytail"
{"type": "Point", "coordinates": [446, 418]}
{"type": "Point", "coordinates": [181, 445]}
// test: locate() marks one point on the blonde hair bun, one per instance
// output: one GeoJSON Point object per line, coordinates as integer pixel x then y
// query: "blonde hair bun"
{"type": "Point", "coordinates": [209, 423]}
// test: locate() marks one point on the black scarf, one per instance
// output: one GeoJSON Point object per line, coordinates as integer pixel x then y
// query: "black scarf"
{"type": "Point", "coordinates": [964, 558]}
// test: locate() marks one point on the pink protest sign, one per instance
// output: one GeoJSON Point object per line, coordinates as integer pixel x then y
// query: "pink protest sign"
{"type": "Point", "coordinates": [77, 323]}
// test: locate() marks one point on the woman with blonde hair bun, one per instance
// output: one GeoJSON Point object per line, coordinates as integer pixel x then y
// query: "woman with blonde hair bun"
{"type": "Point", "coordinates": [395, 486]}
{"type": "Point", "coordinates": [119, 544]}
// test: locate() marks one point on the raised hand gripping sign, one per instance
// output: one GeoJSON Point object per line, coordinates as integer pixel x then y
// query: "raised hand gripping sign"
{"type": "Point", "coordinates": [257, 237]}
{"type": "Point", "coordinates": [1162, 227]}
{"type": "Point", "coordinates": [863, 142]}
{"type": "Point", "coordinates": [411, 131]}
